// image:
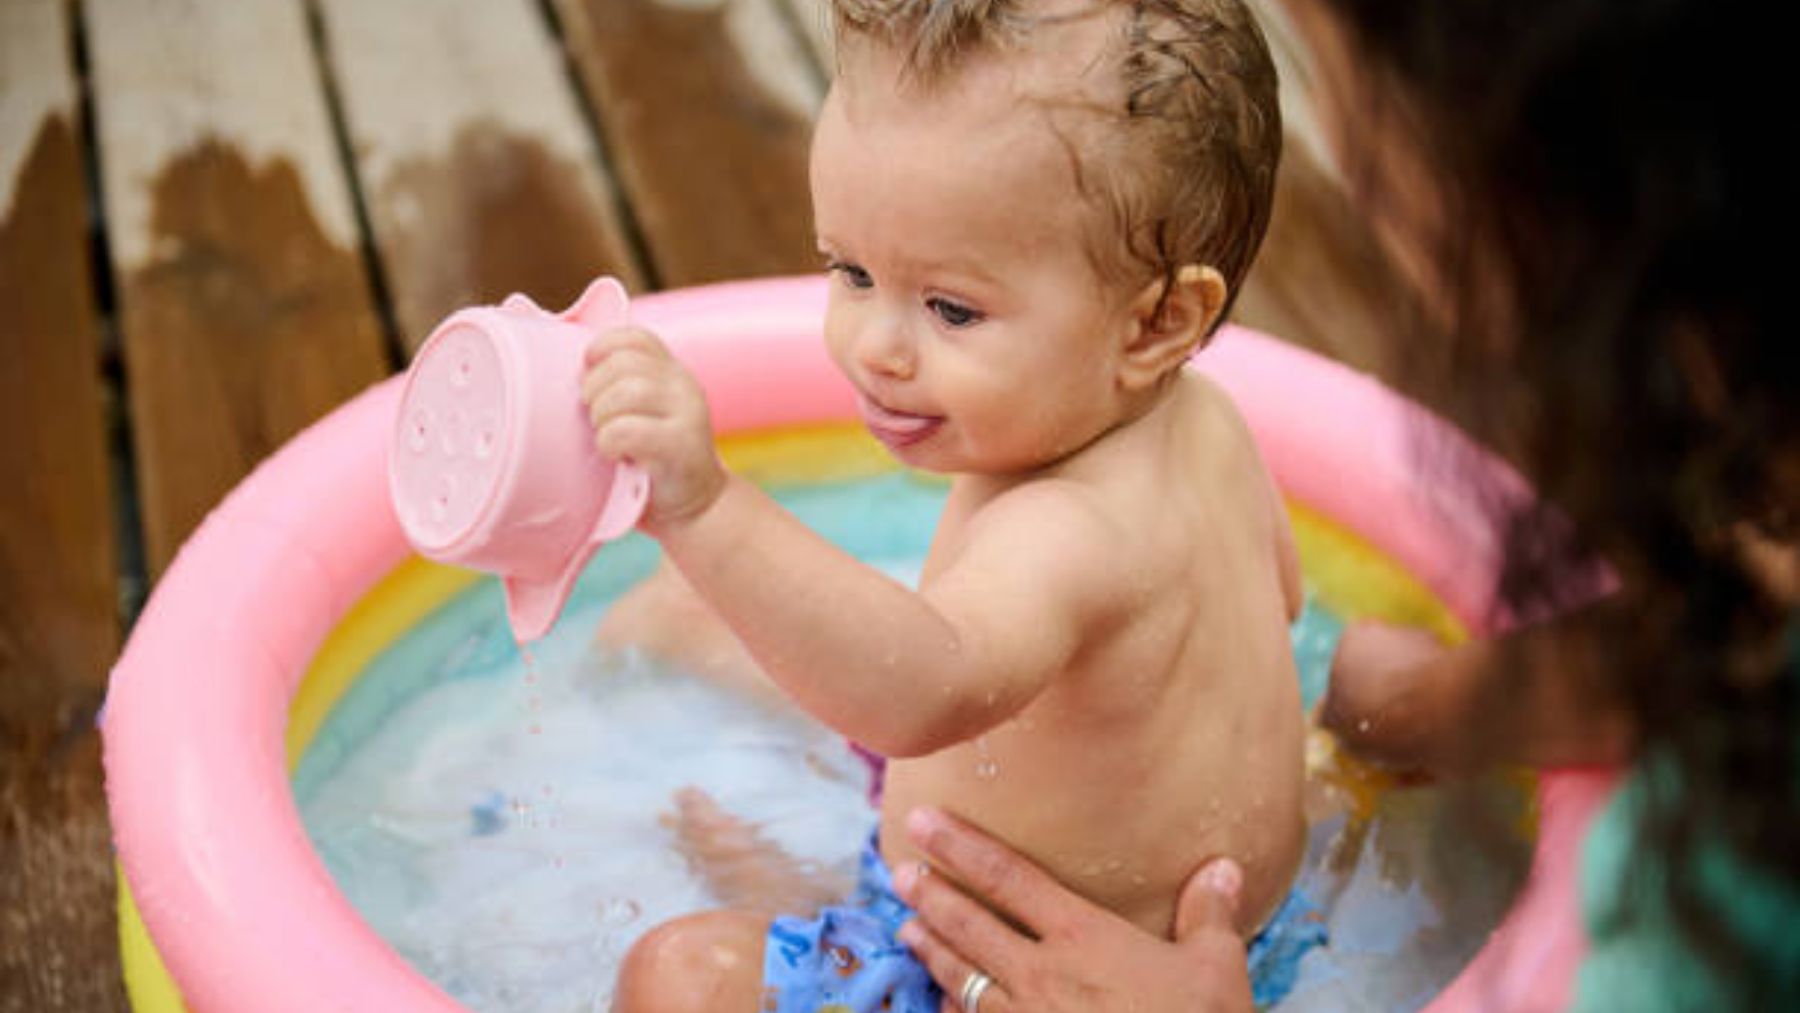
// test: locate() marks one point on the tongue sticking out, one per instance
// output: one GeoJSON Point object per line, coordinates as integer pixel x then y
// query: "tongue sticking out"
{"type": "Point", "coordinates": [896, 428]}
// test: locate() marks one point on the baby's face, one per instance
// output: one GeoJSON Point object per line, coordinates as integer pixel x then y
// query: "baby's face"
{"type": "Point", "coordinates": [963, 307]}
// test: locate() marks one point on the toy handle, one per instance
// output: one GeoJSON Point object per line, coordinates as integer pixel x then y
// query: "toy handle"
{"type": "Point", "coordinates": [625, 502]}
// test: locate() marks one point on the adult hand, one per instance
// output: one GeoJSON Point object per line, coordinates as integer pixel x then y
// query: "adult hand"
{"type": "Point", "coordinates": [1072, 956]}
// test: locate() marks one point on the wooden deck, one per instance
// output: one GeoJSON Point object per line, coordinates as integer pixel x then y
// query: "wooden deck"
{"type": "Point", "coordinates": [219, 220]}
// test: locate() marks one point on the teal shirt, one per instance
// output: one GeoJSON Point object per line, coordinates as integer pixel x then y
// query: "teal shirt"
{"type": "Point", "coordinates": [1641, 961]}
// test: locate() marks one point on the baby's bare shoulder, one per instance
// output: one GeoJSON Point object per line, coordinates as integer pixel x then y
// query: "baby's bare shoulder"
{"type": "Point", "coordinates": [1049, 512]}
{"type": "Point", "coordinates": [1054, 533]}
{"type": "Point", "coordinates": [1212, 412]}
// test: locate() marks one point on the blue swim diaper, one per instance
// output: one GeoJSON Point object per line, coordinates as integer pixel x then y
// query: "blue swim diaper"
{"type": "Point", "coordinates": [847, 960]}
{"type": "Point", "coordinates": [1296, 927]}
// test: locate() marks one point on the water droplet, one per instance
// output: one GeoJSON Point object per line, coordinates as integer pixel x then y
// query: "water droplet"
{"type": "Point", "coordinates": [460, 377]}
{"type": "Point", "coordinates": [484, 445]}
{"type": "Point", "coordinates": [985, 767]}
{"type": "Point", "coordinates": [1363, 725]}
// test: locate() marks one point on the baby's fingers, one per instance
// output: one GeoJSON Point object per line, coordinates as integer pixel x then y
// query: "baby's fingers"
{"type": "Point", "coordinates": [617, 363]}
{"type": "Point", "coordinates": [631, 438]}
{"type": "Point", "coordinates": [610, 394]}
{"type": "Point", "coordinates": [620, 339]}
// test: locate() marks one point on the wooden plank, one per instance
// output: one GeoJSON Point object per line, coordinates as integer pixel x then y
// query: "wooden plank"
{"type": "Point", "coordinates": [1322, 280]}
{"type": "Point", "coordinates": [707, 106]}
{"type": "Point", "coordinates": [814, 20]}
{"type": "Point", "coordinates": [58, 600]}
{"type": "Point", "coordinates": [244, 303]}
{"type": "Point", "coordinates": [479, 172]}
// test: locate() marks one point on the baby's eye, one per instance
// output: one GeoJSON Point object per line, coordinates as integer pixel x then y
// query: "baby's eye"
{"type": "Point", "coordinates": [953, 313]}
{"type": "Point", "coordinates": [854, 276]}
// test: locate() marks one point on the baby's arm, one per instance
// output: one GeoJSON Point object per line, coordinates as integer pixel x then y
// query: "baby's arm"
{"type": "Point", "coordinates": [905, 672]}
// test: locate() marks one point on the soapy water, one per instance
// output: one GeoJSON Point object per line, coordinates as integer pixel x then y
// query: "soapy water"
{"type": "Point", "coordinates": [503, 824]}
{"type": "Point", "coordinates": [513, 853]}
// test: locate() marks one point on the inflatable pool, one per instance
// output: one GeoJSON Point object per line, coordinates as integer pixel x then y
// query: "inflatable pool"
{"type": "Point", "coordinates": [302, 576]}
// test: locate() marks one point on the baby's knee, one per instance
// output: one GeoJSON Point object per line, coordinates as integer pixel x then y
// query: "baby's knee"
{"type": "Point", "coordinates": [705, 963]}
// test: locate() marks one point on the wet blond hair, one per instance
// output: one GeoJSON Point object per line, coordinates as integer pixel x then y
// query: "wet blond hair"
{"type": "Point", "coordinates": [1184, 163]}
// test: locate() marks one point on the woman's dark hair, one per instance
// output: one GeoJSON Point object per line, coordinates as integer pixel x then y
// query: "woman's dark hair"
{"type": "Point", "coordinates": [1618, 194]}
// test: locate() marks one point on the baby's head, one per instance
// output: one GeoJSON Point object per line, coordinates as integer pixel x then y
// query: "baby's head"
{"type": "Point", "coordinates": [1168, 109]}
{"type": "Point", "coordinates": [1087, 181]}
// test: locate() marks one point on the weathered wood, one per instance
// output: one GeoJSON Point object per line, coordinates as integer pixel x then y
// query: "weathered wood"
{"type": "Point", "coordinates": [814, 19]}
{"type": "Point", "coordinates": [479, 173]}
{"type": "Point", "coordinates": [1322, 280]}
{"type": "Point", "coordinates": [58, 603]}
{"type": "Point", "coordinates": [707, 106]}
{"type": "Point", "coordinates": [244, 303]}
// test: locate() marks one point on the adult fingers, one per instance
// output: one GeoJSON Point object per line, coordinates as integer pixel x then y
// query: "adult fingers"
{"type": "Point", "coordinates": [1206, 931]}
{"type": "Point", "coordinates": [972, 930]}
{"type": "Point", "coordinates": [1209, 899]}
{"type": "Point", "coordinates": [951, 970]}
{"type": "Point", "coordinates": [1001, 878]}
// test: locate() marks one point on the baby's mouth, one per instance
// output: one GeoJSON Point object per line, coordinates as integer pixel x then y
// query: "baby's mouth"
{"type": "Point", "coordinates": [896, 428]}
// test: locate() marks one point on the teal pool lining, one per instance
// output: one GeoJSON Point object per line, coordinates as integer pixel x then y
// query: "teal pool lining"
{"type": "Point", "coordinates": [885, 518]}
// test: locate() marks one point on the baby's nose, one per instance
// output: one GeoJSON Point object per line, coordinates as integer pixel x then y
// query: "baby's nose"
{"type": "Point", "coordinates": [886, 349]}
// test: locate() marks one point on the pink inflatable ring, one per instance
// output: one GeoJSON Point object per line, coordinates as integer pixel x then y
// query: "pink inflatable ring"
{"type": "Point", "coordinates": [243, 914]}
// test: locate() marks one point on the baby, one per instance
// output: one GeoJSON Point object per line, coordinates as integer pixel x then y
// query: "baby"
{"type": "Point", "coordinates": [1033, 213]}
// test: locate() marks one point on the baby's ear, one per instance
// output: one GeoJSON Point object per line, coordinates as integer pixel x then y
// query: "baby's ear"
{"type": "Point", "coordinates": [1165, 331]}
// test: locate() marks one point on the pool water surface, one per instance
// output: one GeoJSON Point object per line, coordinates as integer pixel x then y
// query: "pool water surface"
{"type": "Point", "coordinates": [500, 820]}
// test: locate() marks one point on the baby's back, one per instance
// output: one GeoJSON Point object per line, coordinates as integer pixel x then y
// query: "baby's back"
{"type": "Point", "coordinates": [1177, 735]}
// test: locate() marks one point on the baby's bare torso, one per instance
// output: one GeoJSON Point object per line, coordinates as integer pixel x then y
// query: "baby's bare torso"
{"type": "Point", "coordinates": [1177, 735]}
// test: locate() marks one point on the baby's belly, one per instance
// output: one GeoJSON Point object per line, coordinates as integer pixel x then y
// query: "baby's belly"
{"type": "Point", "coordinates": [1113, 826]}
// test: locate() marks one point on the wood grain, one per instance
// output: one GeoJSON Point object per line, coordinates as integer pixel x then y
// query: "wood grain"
{"type": "Point", "coordinates": [1321, 279]}
{"type": "Point", "coordinates": [58, 554]}
{"type": "Point", "coordinates": [245, 306]}
{"type": "Point", "coordinates": [479, 172]}
{"type": "Point", "coordinates": [708, 106]}
{"type": "Point", "coordinates": [813, 17]}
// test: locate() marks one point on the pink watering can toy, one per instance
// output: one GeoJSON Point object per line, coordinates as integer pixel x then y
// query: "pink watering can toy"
{"type": "Point", "coordinates": [492, 464]}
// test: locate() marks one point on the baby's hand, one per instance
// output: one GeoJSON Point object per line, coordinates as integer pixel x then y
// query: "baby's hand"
{"type": "Point", "coordinates": [648, 409]}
